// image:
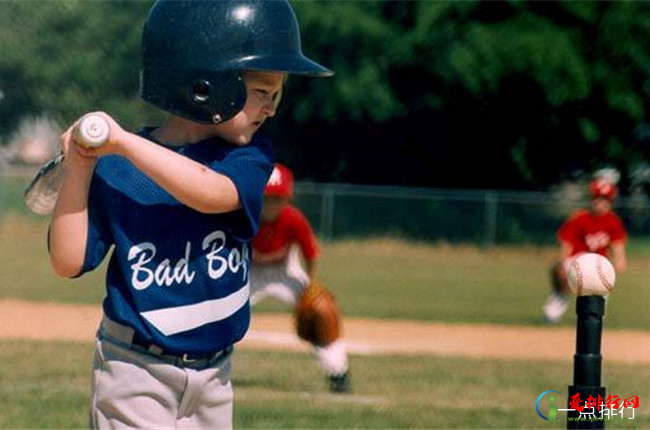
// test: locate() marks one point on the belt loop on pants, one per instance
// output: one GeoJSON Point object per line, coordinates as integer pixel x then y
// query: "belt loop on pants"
{"type": "Point", "coordinates": [129, 338]}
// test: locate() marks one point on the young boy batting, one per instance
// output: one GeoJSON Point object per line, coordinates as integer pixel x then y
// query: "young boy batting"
{"type": "Point", "coordinates": [598, 230]}
{"type": "Point", "coordinates": [284, 239]}
{"type": "Point", "coordinates": [179, 204]}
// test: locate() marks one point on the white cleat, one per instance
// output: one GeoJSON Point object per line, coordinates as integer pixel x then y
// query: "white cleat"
{"type": "Point", "coordinates": [555, 307]}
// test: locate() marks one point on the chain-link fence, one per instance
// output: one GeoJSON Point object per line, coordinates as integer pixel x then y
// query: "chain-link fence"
{"type": "Point", "coordinates": [484, 218]}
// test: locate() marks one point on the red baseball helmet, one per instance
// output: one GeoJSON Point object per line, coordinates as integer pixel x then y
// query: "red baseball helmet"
{"type": "Point", "coordinates": [280, 183]}
{"type": "Point", "coordinates": [603, 188]}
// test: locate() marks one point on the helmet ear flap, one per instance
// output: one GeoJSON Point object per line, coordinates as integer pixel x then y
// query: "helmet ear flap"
{"type": "Point", "coordinates": [208, 97]}
{"type": "Point", "coordinates": [200, 93]}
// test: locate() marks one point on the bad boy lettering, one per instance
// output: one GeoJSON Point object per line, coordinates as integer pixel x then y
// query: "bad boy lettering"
{"type": "Point", "coordinates": [143, 276]}
{"type": "Point", "coordinates": [236, 260]}
{"type": "Point", "coordinates": [164, 274]}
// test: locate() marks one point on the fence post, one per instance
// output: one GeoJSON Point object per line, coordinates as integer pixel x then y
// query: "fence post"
{"type": "Point", "coordinates": [327, 213]}
{"type": "Point", "coordinates": [490, 221]}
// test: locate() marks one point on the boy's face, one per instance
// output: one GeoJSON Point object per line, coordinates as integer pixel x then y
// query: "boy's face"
{"type": "Point", "coordinates": [263, 88]}
{"type": "Point", "coordinates": [600, 205]}
{"type": "Point", "coordinates": [272, 206]}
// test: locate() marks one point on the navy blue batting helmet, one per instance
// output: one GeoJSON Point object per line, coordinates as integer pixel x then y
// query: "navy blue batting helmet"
{"type": "Point", "coordinates": [194, 52]}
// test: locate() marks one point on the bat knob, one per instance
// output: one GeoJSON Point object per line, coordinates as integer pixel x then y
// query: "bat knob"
{"type": "Point", "coordinates": [92, 131]}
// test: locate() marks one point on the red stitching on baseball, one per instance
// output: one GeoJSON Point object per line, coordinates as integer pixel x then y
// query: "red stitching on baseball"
{"type": "Point", "coordinates": [603, 278]}
{"type": "Point", "coordinates": [576, 267]}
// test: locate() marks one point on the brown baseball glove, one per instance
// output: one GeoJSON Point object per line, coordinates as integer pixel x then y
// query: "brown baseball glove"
{"type": "Point", "coordinates": [317, 317]}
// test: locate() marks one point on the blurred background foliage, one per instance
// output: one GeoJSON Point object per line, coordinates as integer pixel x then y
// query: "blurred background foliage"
{"type": "Point", "coordinates": [471, 94]}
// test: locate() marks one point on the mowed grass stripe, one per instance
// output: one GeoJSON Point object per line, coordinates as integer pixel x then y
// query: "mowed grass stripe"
{"type": "Point", "coordinates": [378, 278]}
{"type": "Point", "coordinates": [46, 384]}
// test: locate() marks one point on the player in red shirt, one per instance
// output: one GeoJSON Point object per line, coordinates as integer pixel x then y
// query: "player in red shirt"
{"type": "Point", "coordinates": [284, 239]}
{"type": "Point", "coordinates": [597, 230]}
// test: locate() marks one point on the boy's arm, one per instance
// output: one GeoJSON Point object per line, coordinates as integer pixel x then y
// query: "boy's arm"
{"type": "Point", "coordinates": [310, 266]}
{"type": "Point", "coordinates": [307, 241]}
{"type": "Point", "coordinates": [188, 181]}
{"type": "Point", "coordinates": [566, 249]}
{"type": "Point", "coordinates": [618, 256]}
{"type": "Point", "coordinates": [69, 224]}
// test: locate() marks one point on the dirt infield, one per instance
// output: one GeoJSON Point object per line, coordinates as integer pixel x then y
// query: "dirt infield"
{"type": "Point", "coordinates": [71, 322]}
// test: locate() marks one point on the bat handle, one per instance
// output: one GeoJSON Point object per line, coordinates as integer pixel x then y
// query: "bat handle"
{"type": "Point", "coordinates": [92, 131]}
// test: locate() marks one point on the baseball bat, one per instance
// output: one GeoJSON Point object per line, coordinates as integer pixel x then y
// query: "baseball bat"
{"type": "Point", "coordinates": [92, 131]}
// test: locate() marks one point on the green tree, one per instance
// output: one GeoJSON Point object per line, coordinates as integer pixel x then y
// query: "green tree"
{"type": "Point", "coordinates": [508, 94]}
{"type": "Point", "coordinates": [479, 94]}
{"type": "Point", "coordinates": [67, 57]}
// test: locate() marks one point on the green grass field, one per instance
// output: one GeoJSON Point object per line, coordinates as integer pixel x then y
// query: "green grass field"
{"type": "Point", "coordinates": [45, 384]}
{"type": "Point", "coordinates": [375, 278]}
{"type": "Point", "coordinates": [281, 390]}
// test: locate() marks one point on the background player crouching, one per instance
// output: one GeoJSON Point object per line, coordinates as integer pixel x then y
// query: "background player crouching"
{"type": "Point", "coordinates": [284, 236]}
{"type": "Point", "coordinates": [598, 230]}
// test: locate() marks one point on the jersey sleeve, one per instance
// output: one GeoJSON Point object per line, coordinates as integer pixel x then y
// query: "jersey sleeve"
{"type": "Point", "coordinates": [249, 168]}
{"type": "Point", "coordinates": [568, 231]}
{"type": "Point", "coordinates": [305, 236]}
{"type": "Point", "coordinates": [99, 238]}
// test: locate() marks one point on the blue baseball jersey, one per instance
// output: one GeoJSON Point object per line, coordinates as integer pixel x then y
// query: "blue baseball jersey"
{"type": "Point", "coordinates": [177, 276]}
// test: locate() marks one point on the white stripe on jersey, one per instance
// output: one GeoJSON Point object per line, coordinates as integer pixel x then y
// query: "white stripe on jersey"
{"type": "Point", "coordinates": [184, 318]}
